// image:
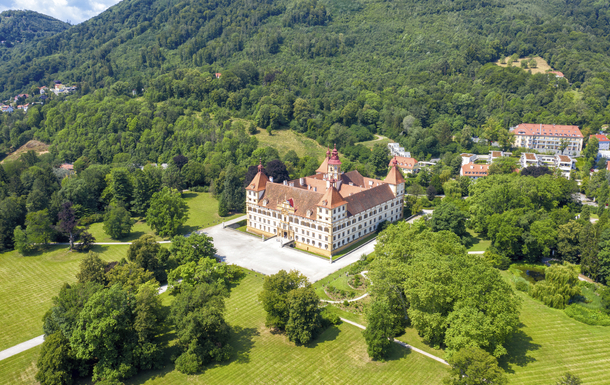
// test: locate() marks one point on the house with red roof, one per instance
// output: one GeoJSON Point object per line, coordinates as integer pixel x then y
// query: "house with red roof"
{"type": "Point", "coordinates": [604, 142]}
{"type": "Point", "coordinates": [474, 171]}
{"type": "Point", "coordinates": [549, 138]}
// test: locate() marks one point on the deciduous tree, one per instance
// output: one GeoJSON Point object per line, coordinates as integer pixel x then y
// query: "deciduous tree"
{"type": "Point", "coordinates": [168, 211]}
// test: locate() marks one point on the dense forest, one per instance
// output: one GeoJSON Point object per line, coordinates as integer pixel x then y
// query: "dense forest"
{"type": "Point", "coordinates": [164, 80]}
{"type": "Point", "coordinates": [21, 26]}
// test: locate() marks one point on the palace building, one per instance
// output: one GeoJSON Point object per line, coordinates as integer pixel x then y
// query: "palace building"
{"type": "Point", "coordinates": [326, 212]}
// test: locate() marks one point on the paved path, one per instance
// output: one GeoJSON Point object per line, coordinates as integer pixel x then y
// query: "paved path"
{"type": "Point", "coordinates": [476, 252]}
{"type": "Point", "coordinates": [349, 300]}
{"type": "Point", "coordinates": [22, 347]}
{"type": "Point", "coordinates": [402, 344]}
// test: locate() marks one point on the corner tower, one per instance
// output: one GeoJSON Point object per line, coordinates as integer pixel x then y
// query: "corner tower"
{"type": "Point", "coordinates": [395, 179]}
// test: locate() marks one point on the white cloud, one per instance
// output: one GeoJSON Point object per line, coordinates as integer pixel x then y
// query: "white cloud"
{"type": "Point", "coordinates": [75, 11]}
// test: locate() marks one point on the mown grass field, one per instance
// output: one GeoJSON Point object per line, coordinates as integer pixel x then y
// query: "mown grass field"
{"type": "Point", "coordinates": [378, 140]}
{"type": "Point", "coordinates": [338, 356]}
{"type": "Point", "coordinates": [479, 243]}
{"type": "Point", "coordinates": [286, 140]}
{"type": "Point", "coordinates": [203, 212]}
{"type": "Point", "coordinates": [28, 283]}
{"type": "Point", "coordinates": [541, 68]}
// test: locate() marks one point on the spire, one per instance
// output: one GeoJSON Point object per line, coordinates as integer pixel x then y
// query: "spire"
{"type": "Point", "coordinates": [259, 182]}
{"type": "Point", "coordinates": [334, 159]}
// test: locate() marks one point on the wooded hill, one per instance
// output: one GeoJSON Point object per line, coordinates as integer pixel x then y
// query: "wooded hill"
{"type": "Point", "coordinates": [419, 72]}
{"type": "Point", "coordinates": [21, 26]}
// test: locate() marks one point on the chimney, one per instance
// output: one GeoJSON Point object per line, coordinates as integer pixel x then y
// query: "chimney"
{"type": "Point", "coordinates": [302, 181]}
{"type": "Point", "coordinates": [285, 183]}
{"type": "Point", "coordinates": [271, 179]}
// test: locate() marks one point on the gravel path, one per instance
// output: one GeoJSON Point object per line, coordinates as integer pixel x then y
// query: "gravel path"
{"type": "Point", "coordinates": [402, 344]}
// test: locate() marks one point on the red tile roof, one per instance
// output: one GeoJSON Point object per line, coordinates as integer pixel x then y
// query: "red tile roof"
{"type": "Point", "coordinates": [404, 162]}
{"type": "Point", "coordinates": [394, 176]}
{"type": "Point", "coordinates": [564, 158]}
{"type": "Point", "coordinates": [259, 182]}
{"type": "Point", "coordinates": [547, 130]}
{"type": "Point", "coordinates": [556, 73]}
{"type": "Point", "coordinates": [331, 199]}
{"type": "Point", "coordinates": [601, 137]}
{"type": "Point", "coordinates": [471, 169]}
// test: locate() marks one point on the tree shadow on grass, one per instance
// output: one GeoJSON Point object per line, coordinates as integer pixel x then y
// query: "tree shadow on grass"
{"type": "Point", "coordinates": [187, 229]}
{"type": "Point", "coordinates": [327, 335]}
{"type": "Point", "coordinates": [100, 249]}
{"type": "Point", "coordinates": [518, 348]}
{"type": "Point", "coordinates": [242, 340]}
{"type": "Point", "coordinates": [469, 241]}
{"type": "Point", "coordinates": [397, 352]}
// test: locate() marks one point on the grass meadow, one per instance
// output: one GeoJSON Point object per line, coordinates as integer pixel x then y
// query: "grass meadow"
{"type": "Point", "coordinates": [203, 212]}
{"type": "Point", "coordinates": [28, 283]}
{"type": "Point", "coordinates": [286, 140]}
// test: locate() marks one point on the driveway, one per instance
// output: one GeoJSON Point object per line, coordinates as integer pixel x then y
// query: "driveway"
{"type": "Point", "coordinates": [269, 257]}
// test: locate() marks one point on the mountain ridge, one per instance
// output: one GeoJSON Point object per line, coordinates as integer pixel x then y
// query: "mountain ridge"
{"type": "Point", "coordinates": [18, 26]}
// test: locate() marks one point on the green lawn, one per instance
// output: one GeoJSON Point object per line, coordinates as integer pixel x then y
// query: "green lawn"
{"type": "Point", "coordinates": [378, 140]}
{"type": "Point", "coordinates": [354, 246]}
{"type": "Point", "coordinates": [203, 212]}
{"type": "Point", "coordinates": [286, 140]}
{"type": "Point", "coordinates": [337, 279]}
{"type": "Point", "coordinates": [260, 357]}
{"type": "Point", "coordinates": [478, 243]}
{"type": "Point", "coordinates": [28, 284]}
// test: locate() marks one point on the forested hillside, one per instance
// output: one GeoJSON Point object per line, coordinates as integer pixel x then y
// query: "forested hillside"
{"type": "Point", "coordinates": [21, 26]}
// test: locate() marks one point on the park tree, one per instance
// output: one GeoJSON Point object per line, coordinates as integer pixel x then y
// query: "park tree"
{"type": "Point", "coordinates": [142, 192]}
{"type": "Point", "coordinates": [536, 171]}
{"type": "Point", "coordinates": [66, 306]}
{"type": "Point", "coordinates": [591, 150]}
{"type": "Point", "coordinates": [431, 193]}
{"type": "Point", "coordinates": [503, 165]}
{"type": "Point", "coordinates": [448, 217]}
{"type": "Point", "coordinates": [167, 212]}
{"type": "Point", "coordinates": [67, 224]}
{"type": "Point", "coordinates": [21, 242]}
{"type": "Point", "coordinates": [588, 242]}
{"type": "Point", "coordinates": [274, 296]}
{"type": "Point", "coordinates": [303, 314]}
{"type": "Point", "coordinates": [203, 334]}
{"type": "Point", "coordinates": [233, 192]}
{"type": "Point", "coordinates": [452, 189]}
{"type": "Point", "coordinates": [568, 241]}
{"type": "Point", "coordinates": [56, 361]}
{"type": "Point", "coordinates": [602, 260]}
{"type": "Point", "coordinates": [39, 228]}
{"type": "Point", "coordinates": [172, 177]}
{"type": "Point", "coordinates": [474, 366]}
{"type": "Point", "coordinates": [119, 187]}
{"type": "Point", "coordinates": [105, 334]}
{"type": "Point", "coordinates": [192, 248]}
{"type": "Point", "coordinates": [180, 161]}
{"type": "Point", "coordinates": [380, 329]}
{"type": "Point", "coordinates": [117, 222]}
{"type": "Point", "coordinates": [276, 169]}
{"type": "Point", "coordinates": [204, 270]}
{"type": "Point", "coordinates": [130, 276]}
{"type": "Point", "coordinates": [92, 269]}
{"type": "Point", "coordinates": [146, 253]}
{"type": "Point", "coordinates": [379, 160]}
{"type": "Point", "coordinates": [559, 286]}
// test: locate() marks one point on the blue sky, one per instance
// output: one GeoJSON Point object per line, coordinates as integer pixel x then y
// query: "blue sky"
{"type": "Point", "coordinates": [75, 11]}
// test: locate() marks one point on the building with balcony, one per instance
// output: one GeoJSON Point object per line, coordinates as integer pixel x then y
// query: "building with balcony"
{"type": "Point", "coordinates": [549, 138]}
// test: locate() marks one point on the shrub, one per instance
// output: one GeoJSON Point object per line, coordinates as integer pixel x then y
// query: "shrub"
{"type": "Point", "coordinates": [522, 285]}
{"type": "Point", "coordinates": [587, 316]}
{"type": "Point", "coordinates": [345, 303]}
{"type": "Point", "coordinates": [559, 286]}
{"type": "Point", "coordinates": [329, 319]}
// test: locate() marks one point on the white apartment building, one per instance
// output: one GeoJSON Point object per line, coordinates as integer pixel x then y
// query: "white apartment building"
{"type": "Point", "coordinates": [396, 150]}
{"type": "Point", "coordinates": [327, 212]}
{"type": "Point", "coordinates": [548, 138]}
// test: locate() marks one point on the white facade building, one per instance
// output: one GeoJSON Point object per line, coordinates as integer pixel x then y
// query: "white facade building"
{"type": "Point", "coordinates": [326, 212]}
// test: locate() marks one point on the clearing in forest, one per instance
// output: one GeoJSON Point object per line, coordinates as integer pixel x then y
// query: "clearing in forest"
{"type": "Point", "coordinates": [542, 66]}
{"type": "Point", "coordinates": [286, 140]}
{"type": "Point", "coordinates": [32, 145]}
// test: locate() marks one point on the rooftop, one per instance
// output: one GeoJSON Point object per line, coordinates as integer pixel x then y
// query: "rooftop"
{"type": "Point", "coordinates": [547, 130]}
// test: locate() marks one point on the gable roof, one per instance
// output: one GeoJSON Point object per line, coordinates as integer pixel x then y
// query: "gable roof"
{"type": "Point", "coordinates": [302, 200]}
{"type": "Point", "coordinates": [323, 169]}
{"type": "Point", "coordinates": [369, 198]}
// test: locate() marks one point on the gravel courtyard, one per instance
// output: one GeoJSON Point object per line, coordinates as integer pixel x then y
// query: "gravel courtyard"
{"type": "Point", "coordinates": [268, 257]}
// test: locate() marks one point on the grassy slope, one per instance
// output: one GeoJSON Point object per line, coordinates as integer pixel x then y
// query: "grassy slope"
{"type": "Point", "coordinates": [286, 140]}
{"type": "Point", "coordinates": [20, 369]}
{"type": "Point", "coordinates": [29, 283]}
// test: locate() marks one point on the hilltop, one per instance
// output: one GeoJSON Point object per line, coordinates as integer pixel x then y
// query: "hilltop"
{"type": "Point", "coordinates": [27, 26]}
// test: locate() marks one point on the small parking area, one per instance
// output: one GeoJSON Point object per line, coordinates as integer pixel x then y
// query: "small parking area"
{"type": "Point", "coordinates": [269, 257]}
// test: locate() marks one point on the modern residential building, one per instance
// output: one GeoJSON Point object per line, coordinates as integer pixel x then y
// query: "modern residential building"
{"type": "Point", "coordinates": [405, 164]}
{"type": "Point", "coordinates": [549, 138]}
{"type": "Point", "coordinates": [604, 142]}
{"type": "Point", "coordinates": [396, 150]}
{"type": "Point", "coordinates": [493, 155]}
{"type": "Point", "coordinates": [326, 212]}
{"type": "Point", "coordinates": [529, 159]}
{"type": "Point", "coordinates": [564, 163]}
{"type": "Point", "coordinates": [474, 171]}
{"type": "Point", "coordinates": [468, 158]}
